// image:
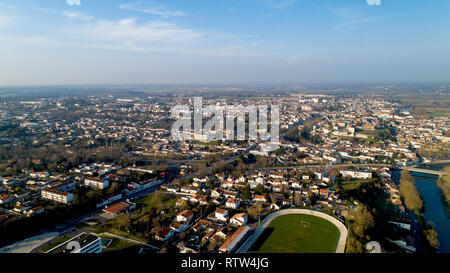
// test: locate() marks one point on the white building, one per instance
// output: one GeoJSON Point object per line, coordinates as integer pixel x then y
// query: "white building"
{"type": "Point", "coordinates": [82, 243]}
{"type": "Point", "coordinates": [356, 174]}
{"type": "Point", "coordinates": [185, 216]}
{"type": "Point", "coordinates": [221, 214]}
{"type": "Point", "coordinates": [239, 219]}
{"type": "Point", "coordinates": [57, 196]}
{"type": "Point", "coordinates": [232, 203]}
{"type": "Point", "coordinates": [231, 244]}
{"type": "Point", "coordinates": [96, 183]}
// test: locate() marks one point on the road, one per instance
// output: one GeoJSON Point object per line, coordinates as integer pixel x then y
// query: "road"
{"type": "Point", "coordinates": [27, 245]}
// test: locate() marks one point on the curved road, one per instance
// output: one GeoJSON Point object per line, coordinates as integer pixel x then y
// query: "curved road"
{"type": "Point", "coordinates": [342, 229]}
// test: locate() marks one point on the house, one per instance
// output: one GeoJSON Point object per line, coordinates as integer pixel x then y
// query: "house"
{"type": "Point", "coordinates": [204, 200]}
{"type": "Point", "coordinates": [220, 176]}
{"type": "Point", "coordinates": [323, 202]}
{"type": "Point", "coordinates": [179, 227]}
{"type": "Point", "coordinates": [260, 198]}
{"type": "Point", "coordinates": [164, 234]}
{"type": "Point", "coordinates": [96, 183]}
{"type": "Point", "coordinates": [63, 186]}
{"type": "Point", "coordinates": [39, 174]}
{"type": "Point", "coordinates": [180, 203]}
{"type": "Point", "coordinates": [232, 203]}
{"type": "Point", "coordinates": [195, 199]}
{"type": "Point", "coordinates": [230, 194]}
{"type": "Point", "coordinates": [8, 181]}
{"type": "Point", "coordinates": [277, 205]}
{"type": "Point", "coordinates": [296, 184]}
{"type": "Point", "coordinates": [221, 214]}
{"type": "Point", "coordinates": [277, 188]}
{"type": "Point", "coordinates": [324, 193]}
{"type": "Point", "coordinates": [35, 211]}
{"type": "Point", "coordinates": [173, 189]}
{"type": "Point", "coordinates": [185, 216]}
{"type": "Point", "coordinates": [208, 236]}
{"type": "Point", "coordinates": [118, 208]}
{"type": "Point", "coordinates": [201, 224]}
{"type": "Point", "coordinates": [239, 219]}
{"type": "Point", "coordinates": [21, 209]}
{"type": "Point", "coordinates": [189, 190]}
{"type": "Point", "coordinates": [109, 199]}
{"type": "Point", "coordinates": [233, 241]}
{"type": "Point", "coordinates": [6, 198]}
{"type": "Point", "coordinates": [216, 192]}
{"type": "Point", "coordinates": [227, 184]}
{"type": "Point", "coordinates": [221, 234]}
{"type": "Point", "coordinates": [36, 161]}
{"type": "Point", "coordinates": [276, 175]}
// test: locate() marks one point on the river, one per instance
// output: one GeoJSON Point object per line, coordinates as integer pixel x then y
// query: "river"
{"type": "Point", "coordinates": [436, 209]}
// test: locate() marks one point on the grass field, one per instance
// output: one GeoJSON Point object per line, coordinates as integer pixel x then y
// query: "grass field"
{"type": "Point", "coordinates": [354, 184]}
{"type": "Point", "coordinates": [297, 233]}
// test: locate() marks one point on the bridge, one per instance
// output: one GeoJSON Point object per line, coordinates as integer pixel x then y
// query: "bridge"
{"type": "Point", "coordinates": [427, 171]}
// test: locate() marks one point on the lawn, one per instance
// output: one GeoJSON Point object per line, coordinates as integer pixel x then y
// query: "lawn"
{"type": "Point", "coordinates": [297, 233]}
{"type": "Point", "coordinates": [156, 200]}
{"type": "Point", "coordinates": [354, 184]}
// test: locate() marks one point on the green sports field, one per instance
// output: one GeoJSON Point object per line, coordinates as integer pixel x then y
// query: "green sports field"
{"type": "Point", "coordinates": [297, 233]}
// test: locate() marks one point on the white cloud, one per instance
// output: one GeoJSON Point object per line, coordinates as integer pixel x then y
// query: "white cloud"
{"type": "Point", "coordinates": [153, 36]}
{"type": "Point", "coordinates": [77, 15]}
{"type": "Point", "coordinates": [73, 2]}
{"type": "Point", "coordinates": [152, 8]}
{"type": "Point", "coordinates": [374, 2]}
{"type": "Point", "coordinates": [128, 30]}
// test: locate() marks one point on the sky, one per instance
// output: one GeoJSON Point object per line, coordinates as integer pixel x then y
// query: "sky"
{"type": "Point", "coordinates": [59, 42]}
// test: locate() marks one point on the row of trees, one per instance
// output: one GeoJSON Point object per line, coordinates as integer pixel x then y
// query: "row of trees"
{"type": "Point", "coordinates": [444, 184]}
{"type": "Point", "coordinates": [409, 192]}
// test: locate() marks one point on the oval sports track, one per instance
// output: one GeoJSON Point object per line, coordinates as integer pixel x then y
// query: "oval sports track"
{"type": "Point", "coordinates": [340, 248]}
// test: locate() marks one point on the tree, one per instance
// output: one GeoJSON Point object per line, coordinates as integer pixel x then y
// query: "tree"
{"type": "Point", "coordinates": [444, 184]}
{"type": "Point", "coordinates": [354, 246]}
{"type": "Point", "coordinates": [364, 221]}
{"type": "Point", "coordinates": [246, 193]}
{"type": "Point", "coordinates": [259, 188]}
{"type": "Point", "coordinates": [431, 237]}
{"type": "Point", "coordinates": [255, 210]}
{"type": "Point", "coordinates": [409, 192]}
{"type": "Point", "coordinates": [298, 199]}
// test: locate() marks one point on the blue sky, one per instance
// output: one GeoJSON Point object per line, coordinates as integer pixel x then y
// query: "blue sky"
{"type": "Point", "coordinates": [224, 41]}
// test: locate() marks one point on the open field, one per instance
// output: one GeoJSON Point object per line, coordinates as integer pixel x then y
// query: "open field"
{"type": "Point", "coordinates": [355, 183]}
{"type": "Point", "coordinates": [297, 233]}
